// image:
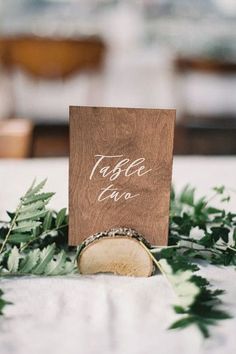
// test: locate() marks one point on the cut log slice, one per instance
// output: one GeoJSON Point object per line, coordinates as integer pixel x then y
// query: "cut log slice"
{"type": "Point", "coordinates": [117, 251]}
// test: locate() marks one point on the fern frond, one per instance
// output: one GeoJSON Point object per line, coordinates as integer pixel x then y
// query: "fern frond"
{"type": "Point", "coordinates": [13, 260]}
{"type": "Point", "coordinates": [31, 215]}
{"type": "Point", "coordinates": [36, 197]}
{"type": "Point", "coordinates": [34, 190]}
{"type": "Point", "coordinates": [39, 205]}
{"type": "Point", "coordinates": [25, 226]}
{"type": "Point", "coordinates": [29, 261]}
{"type": "Point", "coordinates": [45, 257]}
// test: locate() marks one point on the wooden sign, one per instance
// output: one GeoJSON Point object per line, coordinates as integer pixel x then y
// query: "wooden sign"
{"type": "Point", "coordinates": [120, 171]}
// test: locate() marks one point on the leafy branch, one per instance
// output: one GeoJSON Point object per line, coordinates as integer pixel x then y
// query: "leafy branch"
{"type": "Point", "coordinates": [197, 302]}
{"type": "Point", "coordinates": [27, 216]}
{"type": "Point", "coordinates": [197, 231]}
{"type": "Point", "coordinates": [204, 311]}
{"type": "Point", "coordinates": [3, 302]}
{"type": "Point", "coordinates": [35, 240]}
{"type": "Point", "coordinates": [200, 230]}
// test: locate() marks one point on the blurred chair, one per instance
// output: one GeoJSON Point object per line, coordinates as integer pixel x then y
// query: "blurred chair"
{"type": "Point", "coordinates": [204, 64]}
{"type": "Point", "coordinates": [207, 107]}
{"type": "Point", "coordinates": [205, 86]}
{"type": "Point", "coordinates": [51, 58]}
{"type": "Point", "coordinates": [15, 138]}
{"type": "Point", "coordinates": [50, 63]}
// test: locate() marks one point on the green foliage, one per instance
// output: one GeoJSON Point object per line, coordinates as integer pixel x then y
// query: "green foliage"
{"type": "Point", "coordinates": [214, 241]}
{"type": "Point", "coordinates": [201, 305]}
{"type": "Point", "coordinates": [217, 243]}
{"type": "Point", "coordinates": [35, 239]}
{"type": "Point", "coordinates": [3, 302]}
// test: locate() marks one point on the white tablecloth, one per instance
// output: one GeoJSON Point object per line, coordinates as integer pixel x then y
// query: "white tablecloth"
{"type": "Point", "coordinates": [107, 314]}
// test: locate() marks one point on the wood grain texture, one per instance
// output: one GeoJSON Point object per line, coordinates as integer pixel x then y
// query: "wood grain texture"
{"type": "Point", "coordinates": [134, 134]}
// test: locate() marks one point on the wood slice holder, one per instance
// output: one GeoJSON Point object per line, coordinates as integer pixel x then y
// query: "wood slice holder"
{"type": "Point", "coordinates": [119, 251]}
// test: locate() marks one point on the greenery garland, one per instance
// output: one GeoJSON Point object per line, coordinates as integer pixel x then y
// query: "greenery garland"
{"type": "Point", "coordinates": [34, 241]}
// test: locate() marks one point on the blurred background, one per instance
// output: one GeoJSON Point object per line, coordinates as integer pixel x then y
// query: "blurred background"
{"type": "Point", "coordinates": [148, 53]}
